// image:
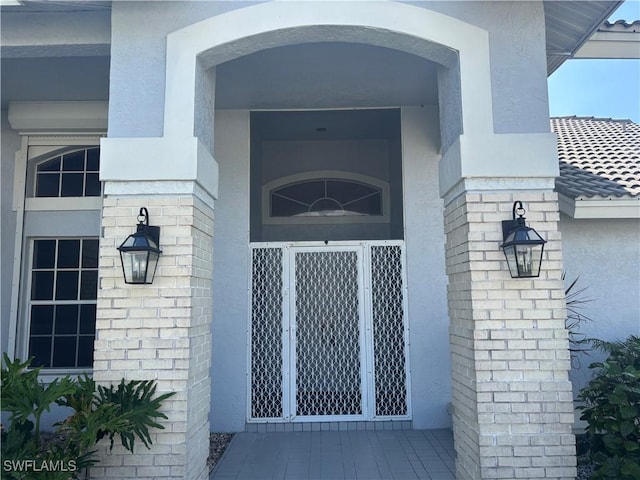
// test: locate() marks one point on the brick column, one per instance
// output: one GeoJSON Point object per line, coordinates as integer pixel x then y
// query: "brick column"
{"type": "Point", "coordinates": [160, 331]}
{"type": "Point", "coordinates": [512, 400]}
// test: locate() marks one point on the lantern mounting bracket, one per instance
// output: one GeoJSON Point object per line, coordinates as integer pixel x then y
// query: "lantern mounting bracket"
{"type": "Point", "coordinates": [508, 225]}
{"type": "Point", "coordinates": [143, 226]}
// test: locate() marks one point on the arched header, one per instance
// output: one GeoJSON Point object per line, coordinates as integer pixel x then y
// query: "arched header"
{"type": "Point", "coordinates": [455, 44]}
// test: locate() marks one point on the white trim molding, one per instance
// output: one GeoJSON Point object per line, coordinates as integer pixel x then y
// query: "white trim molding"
{"type": "Point", "coordinates": [616, 44]}
{"type": "Point", "coordinates": [58, 117]}
{"type": "Point", "coordinates": [153, 159]}
{"type": "Point", "coordinates": [507, 155]}
{"type": "Point", "coordinates": [592, 208]}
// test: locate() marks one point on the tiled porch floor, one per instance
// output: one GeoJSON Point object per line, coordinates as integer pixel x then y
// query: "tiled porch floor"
{"type": "Point", "coordinates": [339, 455]}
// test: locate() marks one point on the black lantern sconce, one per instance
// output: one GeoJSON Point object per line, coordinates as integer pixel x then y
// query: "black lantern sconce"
{"type": "Point", "coordinates": [522, 245]}
{"type": "Point", "coordinates": [139, 253]}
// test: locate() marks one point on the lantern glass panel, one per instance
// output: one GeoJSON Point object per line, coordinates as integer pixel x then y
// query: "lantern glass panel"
{"type": "Point", "coordinates": [152, 263]}
{"type": "Point", "coordinates": [524, 260]}
{"type": "Point", "coordinates": [134, 264]}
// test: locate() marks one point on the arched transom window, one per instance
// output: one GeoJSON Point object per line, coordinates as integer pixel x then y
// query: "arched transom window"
{"type": "Point", "coordinates": [326, 195]}
{"type": "Point", "coordinates": [72, 174]}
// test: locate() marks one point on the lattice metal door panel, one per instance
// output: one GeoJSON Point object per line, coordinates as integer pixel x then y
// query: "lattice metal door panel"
{"type": "Point", "coordinates": [387, 313]}
{"type": "Point", "coordinates": [266, 333]}
{"type": "Point", "coordinates": [327, 326]}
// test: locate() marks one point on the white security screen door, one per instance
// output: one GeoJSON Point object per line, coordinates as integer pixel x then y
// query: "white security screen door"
{"type": "Point", "coordinates": [328, 332]}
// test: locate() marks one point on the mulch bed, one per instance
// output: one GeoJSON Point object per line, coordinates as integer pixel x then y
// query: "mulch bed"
{"type": "Point", "coordinates": [218, 443]}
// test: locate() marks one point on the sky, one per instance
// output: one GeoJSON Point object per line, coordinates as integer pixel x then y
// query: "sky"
{"type": "Point", "coordinates": [599, 88]}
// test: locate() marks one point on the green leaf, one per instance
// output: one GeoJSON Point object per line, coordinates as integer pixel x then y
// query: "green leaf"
{"type": "Point", "coordinates": [618, 397]}
{"type": "Point", "coordinates": [627, 428]}
{"type": "Point", "coordinates": [630, 469]}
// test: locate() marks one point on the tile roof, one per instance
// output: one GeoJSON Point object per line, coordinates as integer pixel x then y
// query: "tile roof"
{"type": "Point", "coordinates": [599, 157]}
{"type": "Point", "coordinates": [620, 26]}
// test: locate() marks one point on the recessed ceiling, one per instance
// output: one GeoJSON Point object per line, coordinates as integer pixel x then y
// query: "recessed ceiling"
{"type": "Point", "coordinates": [326, 124]}
{"type": "Point", "coordinates": [326, 75]}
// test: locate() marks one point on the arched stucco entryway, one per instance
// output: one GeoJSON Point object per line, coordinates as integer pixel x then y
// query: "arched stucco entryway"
{"type": "Point", "coordinates": [474, 159]}
{"type": "Point", "coordinates": [462, 49]}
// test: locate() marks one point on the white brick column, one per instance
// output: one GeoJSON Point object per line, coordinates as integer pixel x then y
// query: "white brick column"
{"type": "Point", "coordinates": [159, 331]}
{"type": "Point", "coordinates": [512, 399]}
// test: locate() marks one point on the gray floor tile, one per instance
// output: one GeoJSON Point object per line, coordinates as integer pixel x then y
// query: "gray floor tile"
{"type": "Point", "coordinates": [337, 453]}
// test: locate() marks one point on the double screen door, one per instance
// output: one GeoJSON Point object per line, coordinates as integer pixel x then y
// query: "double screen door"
{"type": "Point", "coordinates": [328, 332]}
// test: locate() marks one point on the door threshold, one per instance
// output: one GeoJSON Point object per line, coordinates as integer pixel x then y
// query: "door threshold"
{"type": "Point", "coordinates": [320, 426]}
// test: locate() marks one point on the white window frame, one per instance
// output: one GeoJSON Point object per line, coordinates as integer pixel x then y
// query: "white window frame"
{"type": "Point", "coordinates": [36, 148]}
{"type": "Point", "coordinates": [267, 188]}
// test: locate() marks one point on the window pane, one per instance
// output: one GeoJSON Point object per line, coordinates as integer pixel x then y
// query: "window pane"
{"type": "Point", "coordinates": [44, 253]}
{"type": "Point", "coordinates": [88, 318]}
{"type": "Point", "coordinates": [73, 162]}
{"type": "Point", "coordinates": [85, 351]}
{"type": "Point", "coordinates": [67, 286]}
{"type": "Point", "coordinates": [306, 192]}
{"type": "Point", "coordinates": [59, 329]}
{"type": "Point", "coordinates": [89, 285]}
{"type": "Point", "coordinates": [371, 205]}
{"type": "Point", "coordinates": [93, 159]}
{"type": "Point", "coordinates": [48, 185]}
{"type": "Point", "coordinates": [64, 351]}
{"type": "Point", "coordinates": [90, 254]}
{"type": "Point", "coordinates": [325, 205]}
{"type": "Point", "coordinates": [72, 184]}
{"type": "Point", "coordinates": [50, 166]}
{"type": "Point", "coordinates": [67, 319]}
{"type": "Point", "coordinates": [347, 191]}
{"type": "Point", "coordinates": [92, 187]}
{"type": "Point", "coordinates": [41, 319]}
{"type": "Point", "coordinates": [40, 347]}
{"type": "Point", "coordinates": [42, 286]}
{"type": "Point", "coordinates": [68, 253]}
{"type": "Point", "coordinates": [283, 207]}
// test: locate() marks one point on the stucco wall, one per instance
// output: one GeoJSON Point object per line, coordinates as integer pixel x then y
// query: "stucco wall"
{"type": "Point", "coordinates": [426, 279]}
{"type": "Point", "coordinates": [10, 144]}
{"type": "Point", "coordinates": [518, 62]}
{"type": "Point", "coordinates": [605, 255]}
{"type": "Point", "coordinates": [516, 33]}
{"type": "Point", "coordinates": [230, 274]}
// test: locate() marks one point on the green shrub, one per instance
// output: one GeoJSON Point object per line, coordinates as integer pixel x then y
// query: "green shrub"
{"type": "Point", "coordinates": [611, 406]}
{"type": "Point", "coordinates": [127, 411]}
{"type": "Point", "coordinates": [576, 299]}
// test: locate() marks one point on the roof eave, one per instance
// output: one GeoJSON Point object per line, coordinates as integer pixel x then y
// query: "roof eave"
{"type": "Point", "coordinates": [600, 208]}
{"type": "Point", "coordinates": [559, 54]}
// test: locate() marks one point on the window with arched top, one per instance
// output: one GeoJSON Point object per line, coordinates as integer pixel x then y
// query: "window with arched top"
{"type": "Point", "coordinates": [326, 197]}
{"type": "Point", "coordinates": [71, 174]}
{"type": "Point", "coordinates": [62, 202]}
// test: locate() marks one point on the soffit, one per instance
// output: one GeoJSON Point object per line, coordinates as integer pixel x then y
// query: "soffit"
{"type": "Point", "coordinates": [570, 24]}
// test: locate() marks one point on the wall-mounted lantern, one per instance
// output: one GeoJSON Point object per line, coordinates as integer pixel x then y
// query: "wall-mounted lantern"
{"type": "Point", "coordinates": [522, 245]}
{"type": "Point", "coordinates": [139, 252]}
